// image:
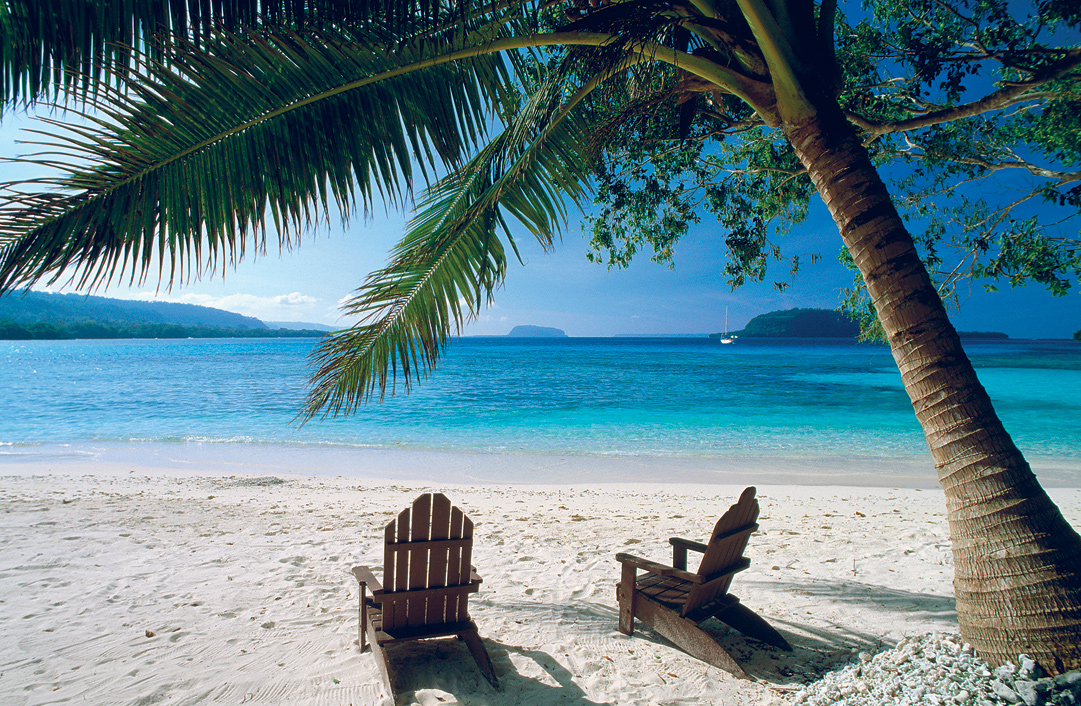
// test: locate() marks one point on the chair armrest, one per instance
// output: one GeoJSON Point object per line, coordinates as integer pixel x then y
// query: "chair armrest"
{"type": "Point", "coordinates": [366, 578]}
{"type": "Point", "coordinates": [687, 543]}
{"type": "Point", "coordinates": [644, 564]}
{"type": "Point", "coordinates": [679, 551]}
{"type": "Point", "coordinates": [655, 568]}
{"type": "Point", "coordinates": [474, 577]}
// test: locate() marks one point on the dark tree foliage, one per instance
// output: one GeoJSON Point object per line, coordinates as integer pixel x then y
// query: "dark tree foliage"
{"type": "Point", "coordinates": [972, 110]}
{"type": "Point", "coordinates": [43, 331]}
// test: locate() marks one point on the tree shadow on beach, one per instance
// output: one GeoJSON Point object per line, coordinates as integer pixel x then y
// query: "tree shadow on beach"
{"type": "Point", "coordinates": [819, 646]}
{"type": "Point", "coordinates": [921, 606]}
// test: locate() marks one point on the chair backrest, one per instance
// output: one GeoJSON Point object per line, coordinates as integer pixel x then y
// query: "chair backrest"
{"type": "Point", "coordinates": [428, 546]}
{"type": "Point", "coordinates": [724, 551]}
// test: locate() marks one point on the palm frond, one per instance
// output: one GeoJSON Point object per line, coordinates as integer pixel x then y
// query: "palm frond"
{"type": "Point", "coordinates": [50, 45]}
{"type": "Point", "coordinates": [215, 148]}
{"type": "Point", "coordinates": [452, 258]}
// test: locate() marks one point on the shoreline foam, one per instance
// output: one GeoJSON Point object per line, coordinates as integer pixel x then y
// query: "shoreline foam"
{"type": "Point", "coordinates": [452, 466]}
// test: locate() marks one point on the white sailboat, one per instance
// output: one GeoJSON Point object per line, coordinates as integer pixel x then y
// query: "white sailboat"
{"type": "Point", "coordinates": [725, 338]}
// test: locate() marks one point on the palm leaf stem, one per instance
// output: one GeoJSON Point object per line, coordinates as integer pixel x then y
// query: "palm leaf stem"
{"type": "Point", "coordinates": [721, 76]}
{"type": "Point", "coordinates": [781, 57]}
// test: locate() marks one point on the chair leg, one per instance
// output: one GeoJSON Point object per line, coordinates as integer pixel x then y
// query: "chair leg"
{"type": "Point", "coordinates": [752, 624]}
{"type": "Point", "coordinates": [686, 635]}
{"type": "Point", "coordinates": [625, 591]}
{"type": "Point", "coordinates": [480, 655]}
{"type": "Point", "coordinates": [369, 636]}
{"type": "Point", "coordinates": [382, 659]}
{"type": "Point", "coordinates": [362, 622]}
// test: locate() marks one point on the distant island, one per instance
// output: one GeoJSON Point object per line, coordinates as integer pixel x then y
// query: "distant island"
{"type": "Point", "coordinates": [537, 332]}
{"type": "Point", "coordinates": [45, 316]}
{"type": "Point", "coordinates": [798, 323]}
{"type": "Point", "coordinates": [820, 323]}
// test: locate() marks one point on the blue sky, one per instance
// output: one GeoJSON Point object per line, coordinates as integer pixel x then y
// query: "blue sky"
{"type": "Point", "coordinates": [563, 290]}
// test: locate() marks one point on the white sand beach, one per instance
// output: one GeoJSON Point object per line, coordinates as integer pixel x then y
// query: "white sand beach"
{"type": "Point", "coordinates": [123, 584]}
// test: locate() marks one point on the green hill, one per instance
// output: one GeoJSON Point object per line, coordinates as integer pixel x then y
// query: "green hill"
{"type": "Point", "coordinates": [537, 332]}
{"type": "Point", "coordinates": [67, 309]}
{"type": "Point", "coordinates": [799, 323]}
{"type": "Point", "coordinates": [44, 316]}
{"type": "Point", "coordinates": [821, 323]}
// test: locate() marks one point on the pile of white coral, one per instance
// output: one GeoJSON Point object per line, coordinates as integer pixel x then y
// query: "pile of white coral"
{"type": "Point", "coordinates": [938, 670]}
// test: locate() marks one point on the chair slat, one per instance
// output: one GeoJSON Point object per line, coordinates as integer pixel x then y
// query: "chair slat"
{"type": "Point", "coordinates": [454, 563]}
{"type": "Point", "coordinates": [401, 564]}
{"type": "Point", "coordinates": [429, 543]}
{"type": "Point", "coordinates": [436, 609]}
{"type": "Point", "coordinates": [390, 559]}
{"type": "Point", "coordinates": [418, 556]}
{"type": "Point", "coordinates": [388, 598]}
{"type": "Point", "coordinates": [465, 566]}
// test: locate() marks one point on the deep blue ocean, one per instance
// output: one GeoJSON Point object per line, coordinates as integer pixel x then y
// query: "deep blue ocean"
{"type": "Point", "coordinates": [599, 396]}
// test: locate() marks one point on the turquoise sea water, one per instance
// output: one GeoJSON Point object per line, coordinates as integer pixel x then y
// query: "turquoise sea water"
{"type": "Point", "coordinates": [606, 396]}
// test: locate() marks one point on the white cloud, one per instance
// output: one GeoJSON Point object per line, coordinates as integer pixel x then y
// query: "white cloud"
{"type": "Point", "coordinates": [280, 307]}
{"type": "Point", "coordinates": [296, 299]}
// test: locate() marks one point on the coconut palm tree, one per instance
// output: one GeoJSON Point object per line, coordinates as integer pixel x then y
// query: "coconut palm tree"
{"type": "Point", "coordinates": [207, 133]}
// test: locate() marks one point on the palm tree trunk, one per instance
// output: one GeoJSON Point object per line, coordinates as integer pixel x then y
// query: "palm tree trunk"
{"type": "Point", "coordinates": [1017, 562]}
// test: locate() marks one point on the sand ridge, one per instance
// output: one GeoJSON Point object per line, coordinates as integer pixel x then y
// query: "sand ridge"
{"type": "Point", "coordinates": [196, 588]}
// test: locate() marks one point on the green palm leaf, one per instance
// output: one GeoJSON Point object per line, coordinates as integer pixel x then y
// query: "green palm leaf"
{"type": "Point", "coordinates": [47, 46]}
{"type": "Point", "coordinates": [452, 258]}
{"type": "Point", "coordinates": [221, 143]}
{"type": "Point", "coordinates": [215, 149]}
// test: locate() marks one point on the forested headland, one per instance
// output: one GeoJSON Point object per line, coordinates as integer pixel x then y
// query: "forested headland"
{"type": "Point", "coordinates": [40, 331]}
{"type": "Point", "coordinates": [47, 316]}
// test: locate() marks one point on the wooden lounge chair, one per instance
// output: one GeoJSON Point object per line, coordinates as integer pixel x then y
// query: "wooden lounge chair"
{"type": "Point", "coordinates": [428, 577]}
{"type": "Point", "coordinates": [674, 601]}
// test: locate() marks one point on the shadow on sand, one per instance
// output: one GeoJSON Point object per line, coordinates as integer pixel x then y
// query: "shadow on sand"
{"type": "Point", "coordinates": [817, 647]}
{"type": "Point", "coordinates": [445, 668]}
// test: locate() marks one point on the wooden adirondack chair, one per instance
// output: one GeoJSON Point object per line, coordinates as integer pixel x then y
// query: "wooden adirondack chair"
{"type": "Point", "coordinates": [428, 577]}
{"type": "Point", "coordinates": [674, 601]}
